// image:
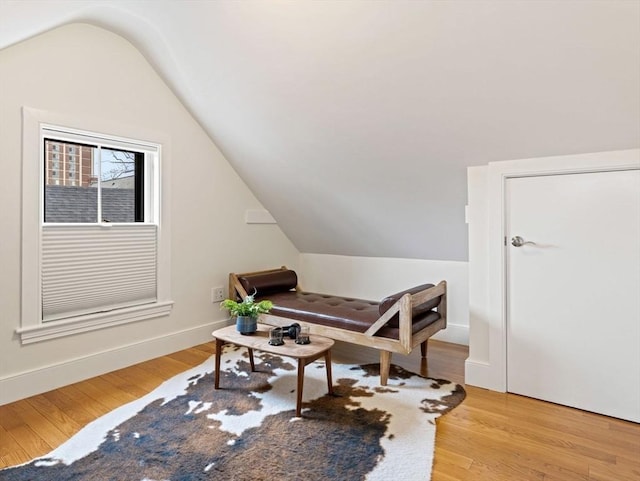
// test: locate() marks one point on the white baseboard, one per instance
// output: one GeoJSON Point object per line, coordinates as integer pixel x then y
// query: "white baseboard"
{"type": "Point", "coordinates": [30, 383]}
{"type": "Point", "coordinates": [454, 333]}
{"type": "Point", "coordinates": [482, 374]}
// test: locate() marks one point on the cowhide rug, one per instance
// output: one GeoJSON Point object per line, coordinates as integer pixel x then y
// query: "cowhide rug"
{"type": "Point", "coordinates": [247, 430]}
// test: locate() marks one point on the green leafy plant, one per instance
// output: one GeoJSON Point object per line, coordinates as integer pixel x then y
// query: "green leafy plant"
{"type": "Point", "coordinates": [248, 307]}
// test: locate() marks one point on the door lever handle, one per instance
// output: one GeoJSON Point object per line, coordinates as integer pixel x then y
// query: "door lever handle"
{"type": "Point", "coordinates": [518, 241]}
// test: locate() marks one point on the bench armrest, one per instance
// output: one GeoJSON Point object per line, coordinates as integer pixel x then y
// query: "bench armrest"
{"type": "Point", "coordinates": [405, 306]}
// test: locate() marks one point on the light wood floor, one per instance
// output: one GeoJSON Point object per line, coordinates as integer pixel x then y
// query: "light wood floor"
{"type": "Point", "coordinates": [491, 436]}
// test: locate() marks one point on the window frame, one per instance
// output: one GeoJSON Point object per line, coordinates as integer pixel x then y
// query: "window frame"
{"type": "Point", "coordinates": [146, 191]}
{"type": "Point", "coordinates": [32, 328]}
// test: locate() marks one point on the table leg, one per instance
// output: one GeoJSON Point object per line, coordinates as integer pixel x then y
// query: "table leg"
{"type": "Point", "coordinates": [327, 363]}
{"type": "Point", "coordinates": [253, 366]}
{"type": "Point", "coordinates": [216, 383]}
{"type": "Point", "coordinates": [301, 365]}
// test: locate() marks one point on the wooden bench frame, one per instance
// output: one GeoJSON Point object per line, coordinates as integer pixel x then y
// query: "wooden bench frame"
{"type": "Point", "coordinates": [404, 345]}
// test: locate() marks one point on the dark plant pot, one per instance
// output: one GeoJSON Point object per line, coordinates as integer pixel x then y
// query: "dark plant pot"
{"type": "Point", "coordinates": [246, 324]}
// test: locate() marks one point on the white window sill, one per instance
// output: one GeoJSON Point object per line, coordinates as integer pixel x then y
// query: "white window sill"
{"type": "Point", "coordinates": [92, 322]}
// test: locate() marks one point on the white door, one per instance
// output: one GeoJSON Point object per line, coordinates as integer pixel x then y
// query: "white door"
{"type": "Point", "coordinates": [573, 294]}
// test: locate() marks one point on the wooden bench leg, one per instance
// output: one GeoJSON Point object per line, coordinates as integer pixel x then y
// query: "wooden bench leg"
{"type": "Point", "coordinates": [385, 365]}
{"type": "Point", "coordinates": [423, 349]}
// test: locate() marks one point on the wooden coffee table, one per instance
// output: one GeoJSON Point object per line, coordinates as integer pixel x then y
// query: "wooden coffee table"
{"type": "Point", "coordinates": [304, 353]}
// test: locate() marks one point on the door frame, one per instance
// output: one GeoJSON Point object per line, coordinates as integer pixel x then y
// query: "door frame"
{"type": "Point", "coordinates": [491, 372]}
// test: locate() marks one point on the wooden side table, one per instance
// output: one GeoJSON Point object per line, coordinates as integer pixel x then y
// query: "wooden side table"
{"type": "Point", "coordinates": [304, 353]}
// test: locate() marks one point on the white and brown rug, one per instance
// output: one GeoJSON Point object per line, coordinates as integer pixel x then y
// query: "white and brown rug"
{"type": "Point", "coordinates": [247, 430]}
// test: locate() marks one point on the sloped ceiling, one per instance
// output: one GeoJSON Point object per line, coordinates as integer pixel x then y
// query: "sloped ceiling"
{"type": "Point", "coordinates": [354, 121]}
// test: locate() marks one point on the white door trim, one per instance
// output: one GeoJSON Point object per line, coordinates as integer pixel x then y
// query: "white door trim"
{"type": "Point", "coordinates": [495, 377]}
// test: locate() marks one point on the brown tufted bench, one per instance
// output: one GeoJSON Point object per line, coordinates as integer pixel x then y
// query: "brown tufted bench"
{"type": "Point", "coordinates": [398, 323]}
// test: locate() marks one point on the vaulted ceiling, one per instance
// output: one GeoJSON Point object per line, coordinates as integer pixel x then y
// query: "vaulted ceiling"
{"type": "Point", "coordinates": [353, 122]}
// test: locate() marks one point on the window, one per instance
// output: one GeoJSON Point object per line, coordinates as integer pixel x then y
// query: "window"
{"type": "Point", "coordinates": [112, 189]}
{"type": "Point", "coordinates": [99, 257]}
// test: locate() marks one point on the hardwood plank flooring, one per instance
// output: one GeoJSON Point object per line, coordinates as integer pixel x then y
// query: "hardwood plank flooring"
{"type": "Point", "coordinates": [491, 436]}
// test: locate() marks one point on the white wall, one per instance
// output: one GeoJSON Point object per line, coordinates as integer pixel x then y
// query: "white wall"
{"type": "Point", "coordinates": [486, 365]}
{"type": "Point", "coordinates": [477, 214]}
{"type": "Point", "coordinates": [374, 278]}
{"type": "Point", "coordinates": [87, 71]}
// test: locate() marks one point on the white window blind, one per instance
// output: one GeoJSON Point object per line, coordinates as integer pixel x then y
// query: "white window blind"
{"type": "Point", "coordinates": [94, 268]}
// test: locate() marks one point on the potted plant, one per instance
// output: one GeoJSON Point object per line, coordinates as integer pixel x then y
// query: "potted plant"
{"type": "Point", "coordinates": [246, 312]}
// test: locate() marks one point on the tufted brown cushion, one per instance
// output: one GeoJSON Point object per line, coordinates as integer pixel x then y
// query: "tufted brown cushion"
{"type": "Point", "coordinates": [417, 311]}
{"type": "Point", "coordinates": [272, 282]}
{"type": "Point", "coordinates": [345, 313]}
{"type": "Point", "coordinates": [352, 314]}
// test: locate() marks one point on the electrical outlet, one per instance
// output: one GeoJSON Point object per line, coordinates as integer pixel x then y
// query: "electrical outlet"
{"type": "Point", "coordinates": [217, 294]}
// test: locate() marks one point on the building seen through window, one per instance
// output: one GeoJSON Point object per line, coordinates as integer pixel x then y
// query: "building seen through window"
{"type": "Point", "coordinates": [90, 184]}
